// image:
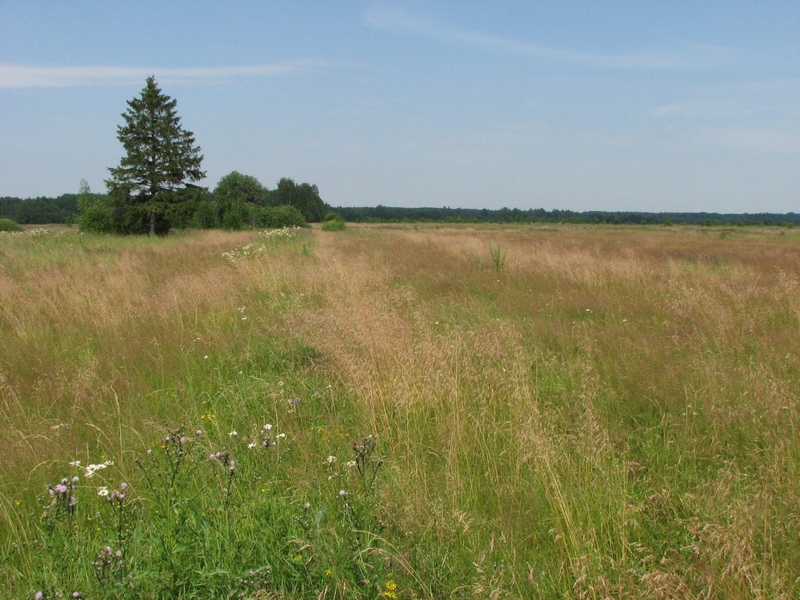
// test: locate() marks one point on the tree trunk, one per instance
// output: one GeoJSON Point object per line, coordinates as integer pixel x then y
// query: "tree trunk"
{"type": "Point", "coordinates": [152, 223]}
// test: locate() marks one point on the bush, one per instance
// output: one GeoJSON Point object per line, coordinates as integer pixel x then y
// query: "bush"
{"type": "Point", "coordinates": [282, 216]}
{"type": "Point", "coordinates": [9, 225]}
{"type": "Point", "coordinates": [332, 222]}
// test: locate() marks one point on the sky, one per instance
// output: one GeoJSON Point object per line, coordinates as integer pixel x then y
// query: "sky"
{"type": "Point", "coordinates": [679, 106]}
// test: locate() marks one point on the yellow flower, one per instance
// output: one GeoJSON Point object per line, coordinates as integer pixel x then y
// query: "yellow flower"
{"type": "Point", "coordinates": [391, 588]}
{"type": "Point", "coordinates": [328, 572]}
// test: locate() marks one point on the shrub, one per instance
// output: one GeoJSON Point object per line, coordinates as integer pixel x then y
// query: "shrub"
{"type": "Point", "coordinates": [9, 225]}
{"type": "Point", "coordinates": [95, 213]}
{"type": "Point", "coordinates": [332, 222]}
{"type": "Point", "coordinates": [282, 216]}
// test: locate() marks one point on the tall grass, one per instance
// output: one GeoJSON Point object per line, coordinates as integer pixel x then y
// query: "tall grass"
{"type": "Point", "coordinates": [610, 413]}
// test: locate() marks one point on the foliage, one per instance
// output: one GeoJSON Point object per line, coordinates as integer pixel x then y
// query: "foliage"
{"type": "Point", "coordinates": [235, 196]}
{"type": "Point", "coordinates": [160, 157]}
{"type": "Point", "coordinates": [40, 210]}
{"type": "Point", "coordinates": [304, 197]}
{"type": "Point", "coordinates": [94, 211]}
{"type": "Point", "coordinates": [282, 216]}
{"type": "Point", "coordinates": [9, 225]}
{"type": "Point", "coordinates": [332, 222]}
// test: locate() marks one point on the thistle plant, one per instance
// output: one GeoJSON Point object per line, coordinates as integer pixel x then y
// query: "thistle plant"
{"type": "Point", "coordinates": [63, 500]}
{"type": "Point", "coordinates": [365, 464]}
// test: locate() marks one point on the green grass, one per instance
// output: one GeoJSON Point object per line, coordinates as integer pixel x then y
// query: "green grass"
{"type": "Point", "coordinates": [607, 413]}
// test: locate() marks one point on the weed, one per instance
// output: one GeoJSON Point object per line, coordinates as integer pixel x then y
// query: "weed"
{"type": "Point", "coordinates": [498, 256]}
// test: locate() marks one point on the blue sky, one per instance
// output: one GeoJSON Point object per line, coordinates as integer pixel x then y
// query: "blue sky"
{"type": "Point", "coordinates": [639, 105]}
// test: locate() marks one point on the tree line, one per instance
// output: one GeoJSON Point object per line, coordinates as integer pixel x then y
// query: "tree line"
{"type": "Point", "coordinates": [241, 201]}
{"type": "Point", "coordinates": [388, 214]}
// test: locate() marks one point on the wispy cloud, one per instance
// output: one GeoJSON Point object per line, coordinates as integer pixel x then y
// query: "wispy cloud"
{"type": "Point", "coordinates": [688, 57]}
{"type": "Point", "coordinates": [42, 76]}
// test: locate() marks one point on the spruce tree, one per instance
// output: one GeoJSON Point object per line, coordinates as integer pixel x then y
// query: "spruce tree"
{"type": "Point", "coordinates": [161, 157]}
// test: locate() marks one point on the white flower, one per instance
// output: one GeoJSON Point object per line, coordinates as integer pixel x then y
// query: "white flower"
{"type": "Point", "coordinates": [90, 470]}
{"type": "Point", "coordinates": [267, 427]}
{"type": "Point", "coordinates": [102, 491]}
{"type": "Point", "coordinates": [75, 463]}
{"type": "Point", "coordinates": [350, 464]}
{"type": "Point", "coordinates": [233, 433]}
{"type": "Point", "coordinates": [330, 460]}
{"type": "Point", "coordinates": [280, 436]}
{"type": "Point", "coordinates": [251, 445]}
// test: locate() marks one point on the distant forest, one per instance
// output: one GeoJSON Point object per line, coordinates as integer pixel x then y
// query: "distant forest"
{"type": "Point", "coordinates": [64, 209]}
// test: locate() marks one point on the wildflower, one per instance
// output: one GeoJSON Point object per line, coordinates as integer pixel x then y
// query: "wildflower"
{"type": "Point", "coordinates": [391, 590]}
{"type": "Point", "coordinates": [38, 596]}
{"type": "Point", "coordinates": [75, 479]}
{"type": "Point", "coordinates": [268, 427]}
{"type": "Point", "coordinates": [233, 433]}
{"type": "Point", "coordinates": [306, 506]}
{"type": "Point", "coordinates": [280, 436]}
{"type": "Point", "coordinates": [251, 445]}
{"type": "Point", "coordinates": [342, 494]}
{"type": "Point", "coordinates": [350, 464]}
{"type": "Point", "coordinates": [330, 460]}
{"type": "Point", "coordinates": [90, 470]}
{"type": "Point", "coordinates": [102, 491]}
{"type": "Point", "coordinates": [74, 463]}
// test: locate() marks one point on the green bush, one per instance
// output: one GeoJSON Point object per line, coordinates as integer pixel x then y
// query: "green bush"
{"type": "Point", "coordinates": [9, 225]}
{"type": "Point", "coordinates": [332, 222]}
{"type": "Point", "coordinates": [95, 214]}
{"type": "Point", "coordinates": [282, 216]}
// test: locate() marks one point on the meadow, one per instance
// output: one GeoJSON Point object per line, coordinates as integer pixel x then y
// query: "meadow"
{"type": "Point", "coordinates": [401, 412]}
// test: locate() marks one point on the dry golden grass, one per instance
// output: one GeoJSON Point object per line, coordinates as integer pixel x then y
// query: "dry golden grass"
{"type": "Point", "coordinates": [620, 403]}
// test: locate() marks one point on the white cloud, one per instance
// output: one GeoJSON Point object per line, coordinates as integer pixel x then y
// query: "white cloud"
{"type": "Point", "coordinates": [42, 76]}
{"type": "Point", "coordinates": [690, 56]}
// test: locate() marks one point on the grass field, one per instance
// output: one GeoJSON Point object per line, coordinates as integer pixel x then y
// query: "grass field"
{"type": "Point", "coordinates": [401, 412]}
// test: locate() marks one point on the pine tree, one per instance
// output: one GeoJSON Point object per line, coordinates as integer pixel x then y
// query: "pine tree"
{"type": "Point", "coordinates": [161, 157]}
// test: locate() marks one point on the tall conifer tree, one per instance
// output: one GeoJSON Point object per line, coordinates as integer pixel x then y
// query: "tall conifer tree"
{"type": "Point", "coordinates": [161, 157]}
